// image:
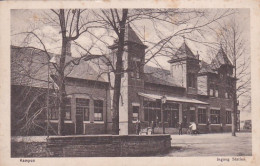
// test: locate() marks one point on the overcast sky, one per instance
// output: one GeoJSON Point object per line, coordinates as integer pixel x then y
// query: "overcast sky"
{"type": "Point", "coordinates": [26, 20]}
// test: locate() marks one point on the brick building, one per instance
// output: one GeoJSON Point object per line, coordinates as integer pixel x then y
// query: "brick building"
{"type": "Point", "coordinates": [195, 91]}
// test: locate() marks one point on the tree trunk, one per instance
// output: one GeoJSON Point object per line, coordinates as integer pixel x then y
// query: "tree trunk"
{"type": "Point", "coordinates": [118, 72]}
{"type": "Point", "coordinates": [234, 117]}
{"type": "Point", "coordinates": [61, 78]}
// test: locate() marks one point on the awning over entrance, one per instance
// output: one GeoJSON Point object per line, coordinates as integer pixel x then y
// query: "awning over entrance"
{"type": "Point", "coordinates": [172, 98]}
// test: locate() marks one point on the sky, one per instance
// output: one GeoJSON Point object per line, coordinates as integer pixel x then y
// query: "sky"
{"type": "Point", "coordinates": [25, 20]}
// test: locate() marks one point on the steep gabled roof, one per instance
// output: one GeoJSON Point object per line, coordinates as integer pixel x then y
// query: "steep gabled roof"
{"type": "Point", "coordinates": [205, 67]}
{"type": "Point", "coordinates": [182, 53]}
{"type": "Point", "coordinates": [159, 76]}
{"type": "Point", "coordinates": [131, 36]}
{"type": "Point", "coordinates": [220, 59]}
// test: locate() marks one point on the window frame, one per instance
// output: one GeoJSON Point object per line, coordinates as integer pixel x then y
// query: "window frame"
{"type": "Point", "coordinates": [98, 109]}
{"type": "Point", "coordinates": [191, 80]}
{"type": "Point", "coordinates": [85, 107]}
{"type": "Point", "coordinates": [202, 115]}
{"type": "Point", "coordinates": [228, 117]}
{"type": "Point", "coordinates": [134, 112]}
{"type": "Point", "coordinates": [215, 113]}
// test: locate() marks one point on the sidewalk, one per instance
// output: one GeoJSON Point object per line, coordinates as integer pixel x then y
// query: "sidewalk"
{"type": "Point", "coordinates": [211, 145]}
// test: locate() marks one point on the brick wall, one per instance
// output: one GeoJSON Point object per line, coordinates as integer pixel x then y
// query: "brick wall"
{"type": "Point", "coordinates": [105, 146]}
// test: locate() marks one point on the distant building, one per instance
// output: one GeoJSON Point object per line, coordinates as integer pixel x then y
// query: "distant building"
{"type": "Point", "coordinates": [195, 92]}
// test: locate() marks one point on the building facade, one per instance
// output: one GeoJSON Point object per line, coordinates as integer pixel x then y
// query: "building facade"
{"type": "Point", "coordinates": [194, 90]}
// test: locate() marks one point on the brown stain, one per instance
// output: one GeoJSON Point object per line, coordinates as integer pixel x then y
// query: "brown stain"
{"type": "Point", "coordinates": [35, 17]}
{"type": "Point", "coordinates": [107, 1]}
{"type": "Point", "coordinates": [171, 3]}
{"type": "Point", "coordinates": [83, 3]}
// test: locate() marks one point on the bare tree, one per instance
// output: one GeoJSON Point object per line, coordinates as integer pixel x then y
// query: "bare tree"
{"type": "Point", "coordinates": [71, 25]}
{"type": "Point", "coordinates": [182, 21]}
{"type": "Point", "coordinates": [234, 44]}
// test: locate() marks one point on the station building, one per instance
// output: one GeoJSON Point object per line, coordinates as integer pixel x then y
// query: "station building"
{"type": "Point", "coordinates": [193, 90]}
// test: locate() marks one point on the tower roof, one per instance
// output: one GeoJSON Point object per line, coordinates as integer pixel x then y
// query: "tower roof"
{"type": "Point", "coordinates": [220, 59]}
{"type": "Point", "coordinates": [130, 37]}
{"type": "Point", "coordinates": [182, 53]}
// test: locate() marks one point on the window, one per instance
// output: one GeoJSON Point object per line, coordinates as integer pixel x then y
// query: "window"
{"type": "Point", "coordinates": [136, 67]}
{"type": "Point", "coordinates": [211, 91]}
{"type": "Point", "coordinates": [98, 110]}
{"type": "Point", "coordinates": [226, 95]}
{"type": "Point", "coordinates": [191, 80]}
{"type": "Point", "coordinates": [53, 113]}
{"type": "Point", "coordinates": [216, 92]}
{"type": "Point", "coordinates": [192, 114]}
{"type": "Point", "coordinates": [82, 108]}
{"type": "Point", "coordinates": [152, 111]}
{"type": "Point", "coordinates": [228, 117]}
{"type": "Point", "coordinates": [135, 113]}
{"type": "Point", "coordinates": [202, 115]}
{"type": "Point", "coordinates": [215, 116]}
{"type": "Point", "coordinates": [67, 108]}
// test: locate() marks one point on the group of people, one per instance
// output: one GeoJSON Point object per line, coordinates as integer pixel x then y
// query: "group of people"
{"type": "Point", "coordinates": [192, 128]}
{"type": "Point", "coordinates": [138, 127]}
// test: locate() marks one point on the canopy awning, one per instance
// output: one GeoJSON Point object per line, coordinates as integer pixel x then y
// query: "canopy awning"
{"type": "Point", "coordinates": [172, 98]}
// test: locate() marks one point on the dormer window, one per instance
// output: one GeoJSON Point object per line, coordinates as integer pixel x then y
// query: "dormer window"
{"type": "Point", "coordinates": [191, 80]}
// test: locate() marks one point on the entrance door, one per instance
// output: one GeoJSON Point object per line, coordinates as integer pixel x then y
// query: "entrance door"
{"type": "Point", "coordinates": [175, 118]}
{"type": "Point", "coordinates": [79, 121]}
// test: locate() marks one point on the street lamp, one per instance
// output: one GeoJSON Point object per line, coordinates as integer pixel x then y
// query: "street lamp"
{"type": "Point", "coordinates": [163, 101]}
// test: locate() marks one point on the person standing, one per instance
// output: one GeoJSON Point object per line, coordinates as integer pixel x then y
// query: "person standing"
{"type": "Point", "coordinates": [138, 127]}
{"type": "Point", "coordinates": [180, 128]}
{"type": "Point", "coordinates": [153, 126]}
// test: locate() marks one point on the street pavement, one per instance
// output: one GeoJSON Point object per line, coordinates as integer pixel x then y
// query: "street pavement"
{"type": "Point", "coordinates": [222, 144]}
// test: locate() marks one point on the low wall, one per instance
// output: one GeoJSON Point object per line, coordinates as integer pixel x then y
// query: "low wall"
{"type": "Point", "coordinates": [29, 149]}
{"type": "Point", "coordinates": [108, 145]}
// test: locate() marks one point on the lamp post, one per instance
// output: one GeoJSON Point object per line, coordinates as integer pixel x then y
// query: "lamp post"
{"type": "Point", "coordinates": [163, 101]}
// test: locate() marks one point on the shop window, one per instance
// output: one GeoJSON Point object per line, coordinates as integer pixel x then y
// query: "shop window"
{"type": "Point", "coordinates": [98, 110]}
{"type": "Point", "coordinates": [152, 111]}
{"type": "Point", "coordinates": [202, 116]}
{"type": "Point", "coordinates": [82, 108]}
{"type": "Point", "coordinates": [215, 116]}
{"type": "Point", "coordinates": [135, 113]}
{"type": "Point", "coordinates": [228, 117]}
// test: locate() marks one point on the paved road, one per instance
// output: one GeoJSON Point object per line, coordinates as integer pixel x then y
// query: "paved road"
{"type": "Point", "coordinates": [211, 145]}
